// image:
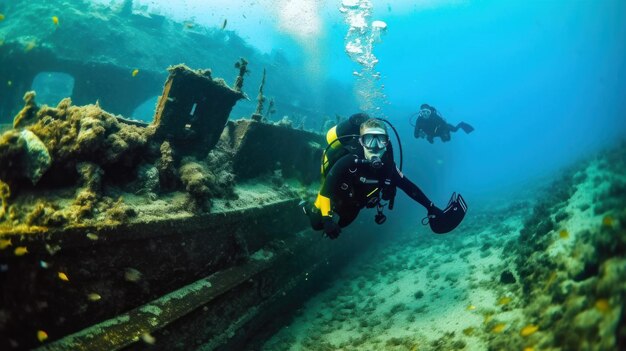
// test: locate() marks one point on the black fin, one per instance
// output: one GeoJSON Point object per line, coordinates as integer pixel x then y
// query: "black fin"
{"type": "Point", "coordinates": [452, 215]}
{"type": "Point", "coordinates": [466, 127]}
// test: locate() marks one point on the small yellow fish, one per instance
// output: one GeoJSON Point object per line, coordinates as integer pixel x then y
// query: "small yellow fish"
{"type": "Point", "coordinates": [92, 236]}
{"type": "Point", "coordinates": [468, 331]}
{"type": "Point", "coordinates": [498, 328]}
{"type": "Point", "coordinates": [471, 307]}
{"type": "Point", "coordinates": [63, 277]}
{"type": "Point", "coordinates": [42, 335]}
{"type": "Point", "coordinates": [607, 221]}
{"type": "Point", "coordinates": [2, 17]}
{"type": "Point", "coordinates": [529, 348]}
{"type": "Point", "coordinates": [55, 20]}
{"type": "Point", "coordinates": [94, 297]}
{"type": "Point", "coordinates": [602, 305]}
{"type": "Point", "coordinates": [135, 72]}
{"type": "Point", "coordinates": [148, 339]}
{"type": "Point", "coordinates": [488, 318]}
{"type": "Point", "coordinates": [564, 234]}
{"type": "Point", "coordinates": [528, 330]}
{"type": "Point", "coordinates": [21, 251]}
{"type": "Point", "coordinates": [504, 301]}
{"type": "Point", "coordinates": [4, 243]}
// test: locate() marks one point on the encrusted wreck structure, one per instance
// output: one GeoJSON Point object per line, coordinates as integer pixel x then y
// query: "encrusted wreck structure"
{"type": "Point", "coordinates": [116, 56]}
{"type": "Point", "coordinates": [186, 230]}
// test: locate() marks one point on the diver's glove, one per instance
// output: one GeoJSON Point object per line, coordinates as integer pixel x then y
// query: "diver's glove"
{"type": "Point", "coordinates": [331, 228]}
{"type": "Point", "coordinates": [434, 211]}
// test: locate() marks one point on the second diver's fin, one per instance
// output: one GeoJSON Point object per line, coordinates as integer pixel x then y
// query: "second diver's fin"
{"type": "Point", "coordinates": [466, 127]}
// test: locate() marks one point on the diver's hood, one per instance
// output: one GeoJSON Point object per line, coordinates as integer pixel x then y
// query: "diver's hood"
{"type": "Point", "coordinates": [453, 214]}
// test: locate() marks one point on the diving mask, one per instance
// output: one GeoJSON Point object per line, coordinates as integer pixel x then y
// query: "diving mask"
{"type": "Point", "coordinates": [425, 113]}
{"type": "Point", "coordinates": [374, 141]}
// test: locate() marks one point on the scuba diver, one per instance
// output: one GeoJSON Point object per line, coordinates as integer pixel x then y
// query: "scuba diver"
{"type": "Point", "coordinates": [430, 124]}
{"type": "Point", "coordinates": [358, 171]}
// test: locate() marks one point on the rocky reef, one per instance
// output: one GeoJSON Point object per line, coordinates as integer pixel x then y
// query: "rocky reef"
{"type": "Point", "coordinates": [571, 260]}
{"type": "Point", "coordinates": [95, 156]}
{"type": "Point", "coordinates": [70, 148]}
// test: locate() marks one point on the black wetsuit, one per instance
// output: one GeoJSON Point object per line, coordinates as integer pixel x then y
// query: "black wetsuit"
{"type": "Point", "coordinates": [351, 186]}
{"type": "Point", "coordinates": [436, 126]}
{"type": "Point", "coordinates": [433, 126]}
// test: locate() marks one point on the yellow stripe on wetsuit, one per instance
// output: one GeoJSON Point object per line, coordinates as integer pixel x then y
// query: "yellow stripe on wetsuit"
{"type": "Point", "coordinates": [373, 191]}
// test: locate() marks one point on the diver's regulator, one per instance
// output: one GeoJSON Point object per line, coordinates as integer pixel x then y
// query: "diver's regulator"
{"type": "Point", "coordinates": [374, 162]}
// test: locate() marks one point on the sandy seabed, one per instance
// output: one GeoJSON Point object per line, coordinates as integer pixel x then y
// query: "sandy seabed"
{"type": "Point", "coordinates": [451, 292]}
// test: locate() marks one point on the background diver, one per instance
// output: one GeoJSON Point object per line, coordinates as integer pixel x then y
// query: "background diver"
{"type": "Point", "coordinates": [358, 171]}
{"type": "Point", "coordinates": [430, 124]}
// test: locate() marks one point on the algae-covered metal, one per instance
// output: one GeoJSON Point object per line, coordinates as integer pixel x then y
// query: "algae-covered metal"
{"type": "Point", "coordinates": [193, 110]}
{"type": "Point", "coordinates": [126, 216]}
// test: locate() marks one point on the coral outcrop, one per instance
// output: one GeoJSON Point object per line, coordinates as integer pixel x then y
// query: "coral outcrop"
{"type": "Point", "coordinates": [168, 176]}
{"type": "Point", "coordinates": [37, 158]}
{"type": "Point", "coordinates": [23, 155]}
{"type": "Point", "coordinates": [61, 137]}
{"type": "Point", "coordinates": [5, 193]}
{"type": "Point", "coordinates": [28, 114]}
{"type": "Point", "coordinates": [570, 258]}
{"type": "Point", "coordinates": [93, 164]}
{"type": "Point", "coordinates": [196, 179]}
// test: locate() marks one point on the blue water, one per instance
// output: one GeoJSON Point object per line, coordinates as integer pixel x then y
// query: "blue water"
{"type": "Point", "coordinates": [541, 81]}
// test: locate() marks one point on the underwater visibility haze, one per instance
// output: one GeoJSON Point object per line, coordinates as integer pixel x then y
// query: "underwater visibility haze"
{"type": "Point", "coordinates": [156, 158]}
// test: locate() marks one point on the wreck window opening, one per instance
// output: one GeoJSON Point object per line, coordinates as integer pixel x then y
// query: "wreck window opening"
{"type": "Point", "coordinates": [52, 87]}
{"type": "Point", "coordinates": [145, 111]}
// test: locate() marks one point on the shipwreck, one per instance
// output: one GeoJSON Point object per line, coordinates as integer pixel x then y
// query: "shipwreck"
{"type": "Point", "coordinates": [185, 230]}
